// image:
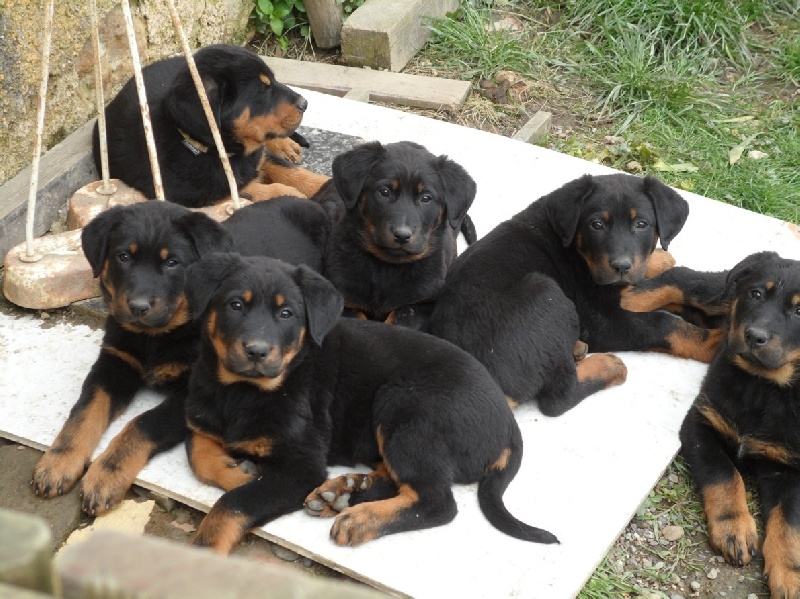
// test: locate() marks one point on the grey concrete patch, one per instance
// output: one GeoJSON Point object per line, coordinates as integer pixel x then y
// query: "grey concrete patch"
{"type": "Point", "coordinates": [62, 514]}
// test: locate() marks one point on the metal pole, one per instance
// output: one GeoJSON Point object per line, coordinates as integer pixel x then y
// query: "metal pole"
{"type": "Point", "coordinates": [106, 188]}
{"type": "Point", "coordinates": [148, 126]}
{"type": "Point", "coordinates": [29, 255]}
{"type": "Point", "coordinates": [201, 92]}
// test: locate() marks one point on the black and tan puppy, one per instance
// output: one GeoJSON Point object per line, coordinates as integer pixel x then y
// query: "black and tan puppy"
{"type": "Point", "coordinates": [529, 297]}
{"type": "Point", "coordinates": [281, 390]}
{"type": "Point", "coordinates": [140, 254]}
{"type": "Point", "coordinates": [397, 210]}
{"type": "Point", "coordinates": [746, 420]}
{"type": "Point", "coordinates": [256, 116]}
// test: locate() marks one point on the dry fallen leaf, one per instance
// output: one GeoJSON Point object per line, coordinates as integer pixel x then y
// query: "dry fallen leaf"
{"type": "Point", "coordinates": [185, 527]}
{"type": "Point", "coordinates": [738, 149]}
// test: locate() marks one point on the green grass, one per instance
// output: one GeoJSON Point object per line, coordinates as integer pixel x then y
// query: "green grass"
{"type": "Point", "coordinates": [676, 79]}
{"type": "Point", "coordinates": [469, 45]}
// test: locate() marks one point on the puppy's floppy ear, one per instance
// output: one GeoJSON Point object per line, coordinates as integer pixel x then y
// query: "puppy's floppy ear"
{"type": "Point", "coordinates": [323, 302]}
{"type": "Point", "coordinates": [95, 236]}
{"type": "Point", "coordinates": [206, 234]}
{"type": "Point", "coordinates": [204, 277]}
{"type": "Point", "coordinates": [671, 209]}
{"type": "Point", "coordinates": [459, 189]}
{"type": "Point", "coordinates": [351, 169]}
{"type": "Point", "coordinates": [745, 267]}
{"type": "Point", "coordinates": [564, 206]}
{"type": "Point", "coordinates": [183, 105]}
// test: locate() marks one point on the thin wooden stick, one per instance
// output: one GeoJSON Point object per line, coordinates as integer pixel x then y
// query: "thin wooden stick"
{"type": "Point", "coordinates": [148, 126]}
{"type": "Point", "coordinates": [201, 92]}
{"type": "Point", "coordinates": [30, 255]}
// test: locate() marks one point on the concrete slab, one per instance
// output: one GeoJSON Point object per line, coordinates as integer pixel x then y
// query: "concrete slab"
{"type": "Point", "coordinates": [584, 490]}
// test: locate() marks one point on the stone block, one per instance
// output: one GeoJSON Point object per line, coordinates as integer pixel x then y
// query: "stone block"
{"type": "Point", "coordinates": [535, 129]}
{"type": "Point", "coordinates": [25, 552]}
{"type": "Point", "coordinates": [386, 34]}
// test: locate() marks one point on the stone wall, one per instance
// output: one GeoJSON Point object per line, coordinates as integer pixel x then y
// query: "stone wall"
{"type": "Point", "coordinates": [70, 97]}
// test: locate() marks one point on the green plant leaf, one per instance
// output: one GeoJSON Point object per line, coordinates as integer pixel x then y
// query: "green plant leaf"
{"type": "Point", "coordinates": [682, 167]}
{"type": "Point", "coordinates": [276, 25]}
{"type": "Point", "coordinates": [265, 7]}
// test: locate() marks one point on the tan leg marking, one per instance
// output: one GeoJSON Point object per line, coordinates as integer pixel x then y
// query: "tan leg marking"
{"type": "Point", "coordinates": [64, 463]}
{"type": "Point", "coordinates": [782, 556]}
{"type": "Point", "coordinates": [213, 465]}
{"type": "Point", "coordinates": [602, 367]}
{"type": "Point", "coordinates": [731, 528]}
{"type": "Point", "coordinates": [113, 472]}
{"type": "Point", "coordinates": [366, 521]}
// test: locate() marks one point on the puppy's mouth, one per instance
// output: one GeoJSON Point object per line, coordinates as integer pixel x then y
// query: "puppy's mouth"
{"type": "Point", "coordinates": [160, 317]}
{"type": "Point", "coordinates": [256, 370]}
{"type": "Point", "coordinates": [766, 359]}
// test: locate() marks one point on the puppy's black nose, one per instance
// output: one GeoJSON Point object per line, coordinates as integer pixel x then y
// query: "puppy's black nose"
{"type": "Point", "coordinates": [401, 234]}
{"type": "Point", "coordinates": [139, 307]}
{"type": "Point", "coordinates": [301, 104]}
{"type": "Point", "coordinates": [256, 351]}
{"type": "Point", "coordinates": [622, 266]}
{"type": "Point", "coordinates": [756, 337]}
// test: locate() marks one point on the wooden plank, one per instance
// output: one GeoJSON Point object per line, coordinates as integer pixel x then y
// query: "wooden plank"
{"type": "Point", "coordinates": [62, 170]}
{"type": "Point", "coordinates": [393, 88]}
{"type": "Point", "coordinates": [386, 34]}
{"type": "Point", "coordinates": [325, 18]}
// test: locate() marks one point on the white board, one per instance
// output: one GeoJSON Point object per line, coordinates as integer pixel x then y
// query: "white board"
{"type": "Point", "coordinates": [583, 475]}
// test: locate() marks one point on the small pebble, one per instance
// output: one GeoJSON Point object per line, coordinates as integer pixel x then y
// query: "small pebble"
{"type": "Point", "coordinates": [676, 597]}
{"type": "Point", "coordinates": [672, 533]}
{"type": "Point", "coordinates": [286, 555]}
{"type": "Point", "coordinates": [646, 563]}
{"type": "Point", "coordinates": [695, 585]}
{"type": "Point", "coordinates": [752, 596]}
{"type": "Point", "coordinates": [712, 573]}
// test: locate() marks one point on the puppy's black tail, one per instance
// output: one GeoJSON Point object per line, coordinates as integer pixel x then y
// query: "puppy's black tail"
{"type": "Point", "coordinates": [490, 497]}
{"type": "Point", "coordinates": [468, 230]}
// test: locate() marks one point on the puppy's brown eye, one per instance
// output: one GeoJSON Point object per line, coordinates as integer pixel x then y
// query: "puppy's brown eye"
{"type": "Point", "coordinates": [172, 263]}
{"type": "Point", "coordinates": [123, 257]}
{"type": "Point", "coordinates": [384, 191]}
{"type": "Point", "coordinates": [597, 225]}
{"type": "Point", "coordinates": [236, 305]}
{"type": "Point", "coordinates": [641, 224]}
{"type": "Point", "coordinates": [756, 294]}
{"type": "Point", "coordinates": [286, 313]}
{"type": "Point", "coordinates": [426, 198]}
